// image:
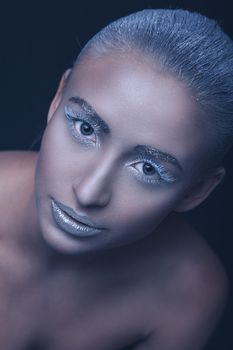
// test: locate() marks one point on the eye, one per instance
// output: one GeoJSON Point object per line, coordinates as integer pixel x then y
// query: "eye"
{"type": "Point", "coordinates": [148, 170]}
{"type": "Point", "coordinates": [84, 130]}
{"type": "Point", "coordinates": [151, 172]}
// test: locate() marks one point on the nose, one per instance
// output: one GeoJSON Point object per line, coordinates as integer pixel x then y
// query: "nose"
{"type": "Point", "coordinates": [94, 188]}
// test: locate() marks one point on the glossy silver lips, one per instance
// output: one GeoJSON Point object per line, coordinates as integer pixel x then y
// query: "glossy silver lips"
{"type": "Point", "coordinates": [71, 223]}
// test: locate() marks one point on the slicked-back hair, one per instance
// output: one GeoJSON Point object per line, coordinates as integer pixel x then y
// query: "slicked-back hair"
{"type": "Point", "coordinates": [188, 45]}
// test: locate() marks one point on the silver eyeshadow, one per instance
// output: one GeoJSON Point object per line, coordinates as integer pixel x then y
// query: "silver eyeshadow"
{"type": "Point", "coordinates": [164, 175]}
{"type": "Point", "coordinates": [89, 111]}
{"type": "Point", "coordinates": [143, 154]}
{"type": "Point", "coordinates": [74, 116]}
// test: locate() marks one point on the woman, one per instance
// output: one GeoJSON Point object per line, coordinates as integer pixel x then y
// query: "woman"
{"type": "Point", "coordinates": [101, 257]}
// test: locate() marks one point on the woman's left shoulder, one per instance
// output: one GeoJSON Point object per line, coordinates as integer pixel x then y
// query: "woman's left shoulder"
{"type": "Point", "coordinates": [199, 266]}
{"type": "Point", "coordinates": [194, 289]}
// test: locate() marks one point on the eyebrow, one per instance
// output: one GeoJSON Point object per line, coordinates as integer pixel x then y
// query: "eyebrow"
{"type": "Point", "coordinates": [143, 149]}
{"type": "Point", "coordinates": [156, 153]}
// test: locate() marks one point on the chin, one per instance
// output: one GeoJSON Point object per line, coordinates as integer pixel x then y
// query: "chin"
{"type": "Point", "coordinates": [65, 244]}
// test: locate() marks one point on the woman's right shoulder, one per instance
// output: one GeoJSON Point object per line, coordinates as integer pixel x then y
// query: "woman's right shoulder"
{"type": "Point", "coordinates": [14, 160]}
{"type": "Point", "coordinates": [17, 170]}
{"type": "Point", "coordinates": [16, 167]}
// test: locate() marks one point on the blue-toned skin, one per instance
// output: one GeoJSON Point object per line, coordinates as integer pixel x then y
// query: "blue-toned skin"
{"type": "Point", "coordinates": [147, 279]}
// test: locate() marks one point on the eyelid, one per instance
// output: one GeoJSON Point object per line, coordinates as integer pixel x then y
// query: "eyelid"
{"type": "Point", "coordinates": [72, 114]}
{"type": "Point", "coordinates": [165, 176]}
{"type": "Point", "coordinates": [93, 119]}
{"type": "Point", "coordinates": [81, 116]}
{"type": "Point", "coordinates": [74, 117]}
{"type": "Point", "coordinates": [155, 162]}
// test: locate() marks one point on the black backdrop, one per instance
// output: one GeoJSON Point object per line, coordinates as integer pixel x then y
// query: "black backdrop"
{"type": "Point", "coordinates": [39, 41]}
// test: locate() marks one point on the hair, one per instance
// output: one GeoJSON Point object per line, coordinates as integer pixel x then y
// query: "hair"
{"type": "Point", "coordinates": [189, 45]}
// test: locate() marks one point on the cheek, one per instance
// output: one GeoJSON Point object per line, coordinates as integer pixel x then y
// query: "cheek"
{"type": "Point", "coordinates": [51, 165]}
{"type": "Point", "coordinates": [140, 214]}
{"type": "Point", "coordinates": [60, 161]}
{"type": "Point", "coordinates": [143, 208]}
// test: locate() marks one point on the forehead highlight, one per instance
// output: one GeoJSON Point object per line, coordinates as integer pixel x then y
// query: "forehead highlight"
{"type": "Point", "coordinates": [113, 86]}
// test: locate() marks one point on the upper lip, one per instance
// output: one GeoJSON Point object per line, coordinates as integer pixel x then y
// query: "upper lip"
{"type": "Point", "coordinates": [80, 218]}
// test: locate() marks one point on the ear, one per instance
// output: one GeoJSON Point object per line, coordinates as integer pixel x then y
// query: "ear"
{"type": "Point", "coordinates": [199, 192]}
{"type": "Point", "coordinates": [57, 98]}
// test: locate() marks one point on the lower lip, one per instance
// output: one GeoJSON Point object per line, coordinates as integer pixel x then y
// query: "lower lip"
{"type": "Point", "coordinates": [70, 226]}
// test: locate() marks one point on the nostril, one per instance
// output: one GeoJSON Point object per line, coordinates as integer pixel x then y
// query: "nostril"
{"type": "Point", "coordinates": [94, 184]}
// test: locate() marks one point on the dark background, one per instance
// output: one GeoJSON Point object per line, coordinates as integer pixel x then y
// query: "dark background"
{"type": "Point", "coordinates": [39, 41]}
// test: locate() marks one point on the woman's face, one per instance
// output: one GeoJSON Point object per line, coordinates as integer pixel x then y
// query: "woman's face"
{"type": "Point", "coordinates": [121, 150]}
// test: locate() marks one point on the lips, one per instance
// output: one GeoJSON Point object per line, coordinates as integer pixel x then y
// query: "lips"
{"type": "Point", "coordinates": [70, 222]}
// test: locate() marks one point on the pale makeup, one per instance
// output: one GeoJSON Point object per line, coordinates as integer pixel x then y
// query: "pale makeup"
{"type": "Point", "coordinates": [156, 173]}
{"type": "Point", "coordinates": [122, 148]}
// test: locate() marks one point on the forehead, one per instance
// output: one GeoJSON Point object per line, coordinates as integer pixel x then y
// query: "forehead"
{"type": "Point", "coordinates": [140, 102]}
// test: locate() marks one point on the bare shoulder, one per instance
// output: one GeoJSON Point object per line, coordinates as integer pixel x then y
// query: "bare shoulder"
{"type": "Point", "coordinates": [16, 265]}
{"type": "Point", "coordinates": [10, 160]}
{"type": "Point", "coordinates": [194, 293]}
{"type": "Point", "coordinates": [14, 167]}
{"type": "Point", "coordinates": [16, 181]}
{"type": "Point", "coordinates": [204, 272]}
{"type": "Point", "coordinates": [191, 260]}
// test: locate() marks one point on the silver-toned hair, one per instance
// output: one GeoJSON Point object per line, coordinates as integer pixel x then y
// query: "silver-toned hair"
{"type": "Point", "coordinates": [189, 45]}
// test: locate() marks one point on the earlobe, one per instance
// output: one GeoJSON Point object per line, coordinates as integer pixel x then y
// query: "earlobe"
{"type": "Point", "coordinates": [57, 98]}
{"type": "Point", "coordinates": [198, 193]}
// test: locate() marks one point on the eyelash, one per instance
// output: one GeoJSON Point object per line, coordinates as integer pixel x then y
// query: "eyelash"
{"type": "Point", "coordinates": [164, 175]}
{"type": "Point", "coordinates": [74, 117]}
